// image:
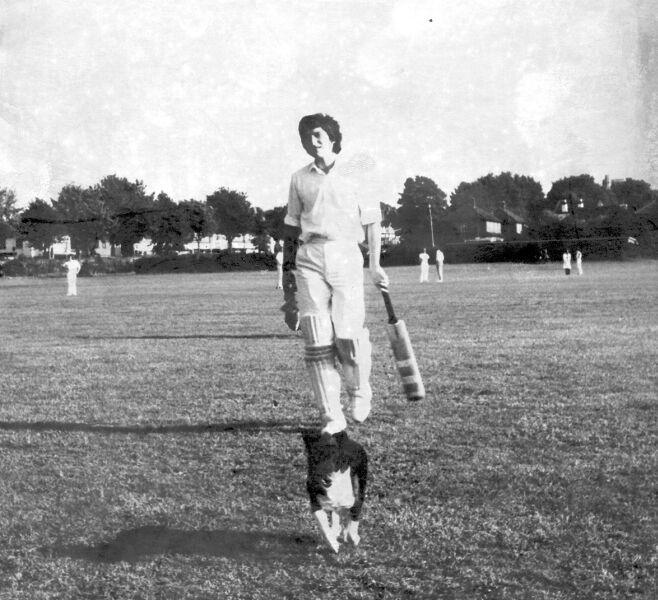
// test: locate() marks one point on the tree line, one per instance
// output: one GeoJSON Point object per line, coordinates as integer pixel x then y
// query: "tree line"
{"type": "Point", "coordinates": [576, 208]}
{"type": "Point", "coordinates": [120, 211]}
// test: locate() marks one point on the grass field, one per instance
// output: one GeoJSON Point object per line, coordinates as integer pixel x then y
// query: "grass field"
{"type": "Point", "coordinates": [150, 447]}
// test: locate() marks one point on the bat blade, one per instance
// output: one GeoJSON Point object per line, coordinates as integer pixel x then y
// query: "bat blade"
{"type": "Point", "coordinates": [405, 361]}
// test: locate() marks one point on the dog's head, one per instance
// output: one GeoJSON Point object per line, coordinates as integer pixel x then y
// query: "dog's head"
{"type": "Point", "coordinates": [324, 456]}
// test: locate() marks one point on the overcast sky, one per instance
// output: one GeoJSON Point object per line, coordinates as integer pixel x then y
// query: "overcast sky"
{"type": "Point", "coordinates": [190, 96]}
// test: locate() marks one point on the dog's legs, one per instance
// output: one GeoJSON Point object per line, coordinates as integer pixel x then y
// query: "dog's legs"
{"type": "Point", "coordinates": [335, 524]}
{"type": "Point", "coordinates": [351, 532]}
{"type": "Point", "coordinates": [327, 530]}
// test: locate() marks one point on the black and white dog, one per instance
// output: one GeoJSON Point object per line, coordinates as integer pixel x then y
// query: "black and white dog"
{"type": "Point", "coordinates": [336, 484]}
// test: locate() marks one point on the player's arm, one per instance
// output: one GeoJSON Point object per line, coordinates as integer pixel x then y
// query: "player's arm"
{"type": "Point", "coordinates": [374, 237]}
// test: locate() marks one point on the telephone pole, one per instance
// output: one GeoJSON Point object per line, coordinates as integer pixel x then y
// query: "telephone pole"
{"type": "Point", "coordinates": [429, 208]}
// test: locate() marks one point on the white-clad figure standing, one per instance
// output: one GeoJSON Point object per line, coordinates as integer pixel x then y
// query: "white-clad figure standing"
{"type": "Point", "coordinates": [424, 265]}
{"type": "Point", "coordinates": [579, 262]}
{"type": "Point", "coordinates": [72, 266]}
{"type": "Point", "coordinates": [439, 265]}
{"type": "Point", "coordinates": [566, 262]}
{"type": "Point", "coordinates": [278, 255]}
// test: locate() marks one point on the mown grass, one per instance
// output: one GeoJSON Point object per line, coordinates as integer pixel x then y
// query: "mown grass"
{"type": "Point", "coordinates": [150, 448]}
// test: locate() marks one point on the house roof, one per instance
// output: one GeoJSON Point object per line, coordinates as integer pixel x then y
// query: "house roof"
{"type": "Point", "coordinates": [512, 215]}
{"type": "Point", "coordinates": [648, 208]}
{"type": "Point", "coordinates": [485, 214]}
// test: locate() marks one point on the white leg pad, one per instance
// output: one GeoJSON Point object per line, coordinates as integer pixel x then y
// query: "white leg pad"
{"type": "Point", "coordinates": [320, 357]}
{"type": "Point", "coordinates": [355, 356]}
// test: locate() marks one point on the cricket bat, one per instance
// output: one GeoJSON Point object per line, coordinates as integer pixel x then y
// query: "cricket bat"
{"type": "Point", "coordinates": [403, 352]}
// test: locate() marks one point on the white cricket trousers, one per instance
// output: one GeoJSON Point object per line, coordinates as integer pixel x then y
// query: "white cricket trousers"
{"type": "Point", "coordinates": [439, 271]}
{"type": "Point", "coordinates": [330, 298]}
{"type": "Point", "coordinates": [72, 280]}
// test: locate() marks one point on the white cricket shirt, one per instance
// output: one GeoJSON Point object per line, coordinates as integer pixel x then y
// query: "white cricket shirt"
{"type": "Point", "coordinates": [329, 205]}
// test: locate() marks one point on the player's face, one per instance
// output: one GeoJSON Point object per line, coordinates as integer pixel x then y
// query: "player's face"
{"type": "Point", "coordinates": [321, 145]}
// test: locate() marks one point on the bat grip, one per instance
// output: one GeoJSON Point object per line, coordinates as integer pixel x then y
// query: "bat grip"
{"type": "Point", "coordinates": [389, 307]}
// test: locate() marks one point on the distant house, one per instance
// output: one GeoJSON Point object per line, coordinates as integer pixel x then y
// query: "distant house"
{"type": "Point", "coordinates": [207, 244]}
{"type": "Point", "coordinates": [215, 242]}
{"type": "Point", "coordinates": [143, 248]}
{"type": "Point", "coordinates": [512, 224]}
{"type": "Point", "coordinates": [61, 248]}
{"type": "Point", "coordinates": [9, 249]}
{"type": "Point", "coordinates": [650, 210]}
{"type": "Point", "coordinates": [106, 249]}
{"type": "Point", "coordinates": [389, 236]}
{"type": "Point", "coordinates": [472, 223]}
{"type": "Point", "coordinates": [649, 215]}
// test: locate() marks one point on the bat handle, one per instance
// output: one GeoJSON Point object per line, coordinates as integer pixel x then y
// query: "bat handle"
{"type": "Point", "coordinates": [389, 307]}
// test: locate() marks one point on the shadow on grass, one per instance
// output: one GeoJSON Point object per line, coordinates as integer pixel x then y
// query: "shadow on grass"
{"type": "Point", "coordinates": [138, 544]}
{"type": "Point", "coordinates": [248, 426]}
{"type": "Point", "coordinates": [219, 336]}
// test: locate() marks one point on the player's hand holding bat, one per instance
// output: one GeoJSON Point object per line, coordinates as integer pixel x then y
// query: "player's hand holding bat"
{"type": "Point", "coordinates": [379, 277]}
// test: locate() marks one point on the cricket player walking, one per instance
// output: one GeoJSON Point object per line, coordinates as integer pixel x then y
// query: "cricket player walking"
{"type": "Point", "coordinates": [326, 221]}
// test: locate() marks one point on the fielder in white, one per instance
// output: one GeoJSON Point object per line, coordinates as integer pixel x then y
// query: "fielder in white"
{"type": "Point", "coordinates": [424, 265]}
{"type": "Point", "coordinates": [326, 220]}
{"type": "Point", "coordinates": [566, 262]}
{"type": "Point", "coordinates": [439, 265]}
{"type": "Point", "coordinates": [579, 262]}
{"type": "Point", "coordinates": [278, 255]}
{"type": "Point", "coordinates": [72, 267]}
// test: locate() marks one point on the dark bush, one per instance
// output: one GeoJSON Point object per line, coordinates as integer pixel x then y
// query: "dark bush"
{"type": "Point", "coordinates": [32, 267]}
{"type": "Point", "coordinates": [98, 265]}
{"type": "Point", "coordinates": [54, 267]}
{"type": "Point", "coordinates": [399, 255]}
{"type": "Point", "coordinates": [204, 263]}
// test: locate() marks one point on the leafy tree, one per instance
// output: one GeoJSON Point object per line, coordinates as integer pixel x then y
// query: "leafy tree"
{"type": "Point", "coordinates": [274, 218]}
{"type": "Point", "coordinates": [388, 214]}
{"type": "Point", "coordinates": [518, 193]}
{"type": "Point", "coordinates": [128, 209]}
{"type": "Point", "coordinates": [261, 237]}
{"type": "Point", "coordinates": [466, 195]}
{"type": "Point", "coordinates": [412, 218]}
{"type": "Point", "coordinates": [633, 192]}
{"type": "Point", "coordinates": [578, 187]}
{"type": "Point", "coordinates": [40, 224]}
{"type": "Point", "coordinates": [8, 213]}
{"type": "Point", "coordinates": [233, 213]}
{"type": "Point", "coordinates": [268, 224]}
{"type": "Point", "coordinates": [168, 226]}
{"type": "Point", "coordinates": [197, 221]}
{"type": "Point", "coordinates": [83, 216]}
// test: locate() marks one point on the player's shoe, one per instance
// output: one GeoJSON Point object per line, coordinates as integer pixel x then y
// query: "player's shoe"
{"type": "Point", "coordinates": [330, 428]}
{"type": "Point", "coordinates": [361, 403]}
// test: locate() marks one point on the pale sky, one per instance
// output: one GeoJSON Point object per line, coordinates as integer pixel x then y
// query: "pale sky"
{"type": "Point", "coordinates": [191, 96]}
